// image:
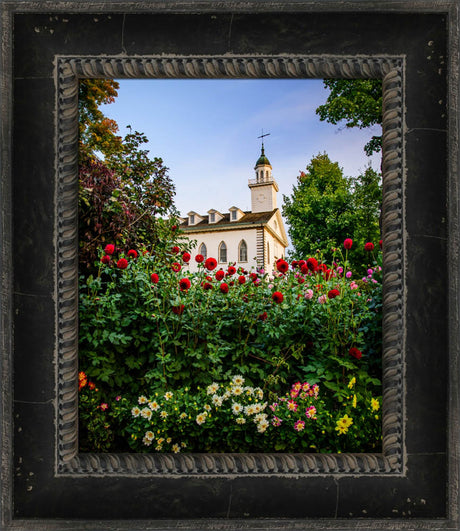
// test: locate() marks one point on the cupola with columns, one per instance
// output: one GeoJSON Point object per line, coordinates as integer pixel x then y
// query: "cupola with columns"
{"type": "Point", "coordinates": [263, 187]}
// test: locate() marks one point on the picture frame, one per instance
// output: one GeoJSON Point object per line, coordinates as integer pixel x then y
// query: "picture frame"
{"type": "Point", "coordinates": [48, 46]}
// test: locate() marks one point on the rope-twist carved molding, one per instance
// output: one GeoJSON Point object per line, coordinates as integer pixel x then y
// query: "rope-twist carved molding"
{"type": "Point", "coordinates": [69, 71]}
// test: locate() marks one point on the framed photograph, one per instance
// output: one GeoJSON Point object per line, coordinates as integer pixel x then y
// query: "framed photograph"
{"type": "Point", "coordinates": [52, 478]}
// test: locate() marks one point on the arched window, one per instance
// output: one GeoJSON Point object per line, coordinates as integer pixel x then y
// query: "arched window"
{"type": "Point", "coordinates": [222, 253]}
{"type": "Point", "coordinates": [266, 174]}
{"type": "Point", "coordinates": [203, 251]}
{"type": "Point", "coordinates": [243, 252]}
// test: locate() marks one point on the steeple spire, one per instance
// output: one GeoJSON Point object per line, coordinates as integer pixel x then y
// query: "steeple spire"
{"type": "Point", "coordinates": [262, 137]}
{"type": "Point", "coordinates": [263, 187]}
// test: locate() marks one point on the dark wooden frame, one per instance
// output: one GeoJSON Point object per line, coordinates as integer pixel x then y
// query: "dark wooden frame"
{"type": "Point", "coordinates": [414, 482]}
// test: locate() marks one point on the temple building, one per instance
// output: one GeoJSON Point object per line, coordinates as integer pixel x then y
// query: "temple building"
{"type": "Point", "coordinates": [252, 239]}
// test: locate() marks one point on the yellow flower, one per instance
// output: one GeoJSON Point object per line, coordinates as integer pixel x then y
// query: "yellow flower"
{"type": "Point", "coordinates": [341, 429]}
{"type": "Point", "coordinates": [343, 424]}
{"type": "Point", "coordinates": [375, 404]}
{"type": "Point", "coordinates": [351, 383]}
{"type": "Point", "coordinates": [354, 400]}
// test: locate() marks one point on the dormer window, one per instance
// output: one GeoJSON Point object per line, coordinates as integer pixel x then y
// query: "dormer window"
{"type": "Point", "coordinates": [212, 217]}
{"type": "Point", "coordinates": [192, 219]}
{"type": "Point", "coordinates": [233, 214]}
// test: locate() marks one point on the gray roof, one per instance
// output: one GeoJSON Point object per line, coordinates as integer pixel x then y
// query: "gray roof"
{"type": "Point", "coordinates": [255, 218]}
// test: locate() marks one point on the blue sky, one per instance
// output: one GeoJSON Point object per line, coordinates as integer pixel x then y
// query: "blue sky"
{"type": "Point", "coordinates": [206, 133]}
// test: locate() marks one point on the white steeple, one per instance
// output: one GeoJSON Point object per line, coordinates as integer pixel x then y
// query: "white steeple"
{"type": "Point", "coordinates": [263, 187]}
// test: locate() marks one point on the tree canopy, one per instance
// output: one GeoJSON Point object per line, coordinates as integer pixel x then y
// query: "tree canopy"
{"type": "Point", "coordinates": [123, 192]}
{"type": "Point", "coordinates": [326, 207]}
{"type": "Point", "coordinates": [358, 102]}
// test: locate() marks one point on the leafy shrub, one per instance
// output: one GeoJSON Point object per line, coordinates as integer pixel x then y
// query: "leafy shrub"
{"type": "Point", "coordinates": [149, 327]}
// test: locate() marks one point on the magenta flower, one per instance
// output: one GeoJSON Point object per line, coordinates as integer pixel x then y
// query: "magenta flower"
{"type": "Point", "coordinates": [299, 425]}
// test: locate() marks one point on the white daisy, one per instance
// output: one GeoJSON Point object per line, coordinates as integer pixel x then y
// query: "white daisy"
{"type": "Point", "coordinates": [175, 448]}
{"type": "Point", "coordinates": [238, 379]}
{"type": "Point", "coordinates": [146, 413]}
{"type": "Point", "coordinates": [262, 426]}
{"type": "Point", "coordinates": [237, 390]}
{"type": "Point", "coordinates": [212, 389]}
{"type": "Point", "coordinates": [154, 406]}
{"type": "Point", "coordinates": [149, 435]}
{"type": "Point", "coordinates": [217, 400]}
{"type": "Point", "coordinates": [237, 408]}
{"type": "Point", "coordinates": [201, 418]}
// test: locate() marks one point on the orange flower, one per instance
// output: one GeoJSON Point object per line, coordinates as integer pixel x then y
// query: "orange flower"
{"type": "Point", "coordinates": [82, 380]}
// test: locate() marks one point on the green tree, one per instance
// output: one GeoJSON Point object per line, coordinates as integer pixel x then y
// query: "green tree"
{"type": "Point", "coordinates": [359, 102]}
{"type": "Point", "coordinates": [367, 198]}
{"type": "Point", "coordinates": [318, 212]}
{"type": "Point", "coordinates": [326, 207]}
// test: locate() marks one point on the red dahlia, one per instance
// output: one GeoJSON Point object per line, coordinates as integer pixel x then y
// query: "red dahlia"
{"type": "Point", "coordinates": [155, 278]}
{"type": "Point", "coordinates": [312, 264]}
{"type": "Point", "coordinates": [282, 266]}
{"type": "Point", "coordinates": [175, 249]}
{"type": "Point", "coordinates": [263, 316]}
{"type": "Point", "coordinates": [231, 270]}
{"type": "Point", "coordinates": [184, 284]}
{"type": "Point", "coordinates": [110, 248]}
{"type": "Point", "coordinates": [186, 257]}
{"type": "Point", "coordinates": [176, 267]}
{"type": "Point", "coordinates": [369, 246]}
{"type": "Point", "coordinates": [355, 353]}
{"type": "Point", "coordinates": [219, 275]}
{"type": "Point", "coordinates": [380, 243]}
{"type": "Point", "coordinates": [105, 259]}
{"type": "Point", "coordinates": [348, 243]}
{"type": "Point", "coordinates": [333, 293]}
{"type": "Point", "coordinates": [178, 310]}
{"type": "Point", "coordinates": [241, 279]}
{"type": "Point", "coordinates": [199, 258]}
{"type": "Point", "coordinates": [207, 285]}
{"type": "Point", "coordinates": [132, 253]}
{"type": "Point", "coordinates": [224, 287]}
{"type": "Point", "coordinates": [277, 297]}
{"type": "Point", "coordinates": [304, 269]}
{"type": "Point", "coordinates": [210, 264]}
{"type": "Point", "coordinates": [122, 263]}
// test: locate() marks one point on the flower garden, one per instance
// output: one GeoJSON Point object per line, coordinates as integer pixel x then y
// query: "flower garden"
{"type": "Point", "coordinates": [230, 360]}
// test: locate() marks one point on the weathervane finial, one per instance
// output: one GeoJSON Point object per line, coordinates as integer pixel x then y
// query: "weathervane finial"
{"type": "Point", "coordinates": [262, 137]}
